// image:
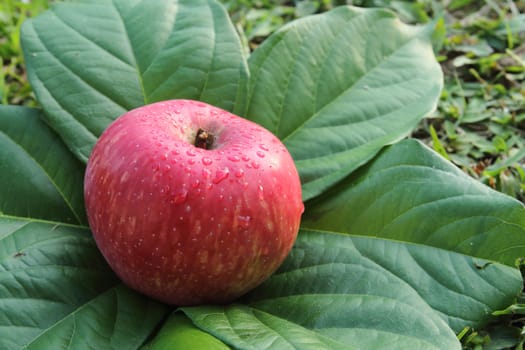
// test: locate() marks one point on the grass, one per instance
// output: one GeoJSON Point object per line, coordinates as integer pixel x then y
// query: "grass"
{"type": "Point", "coordinates": [14, 87]}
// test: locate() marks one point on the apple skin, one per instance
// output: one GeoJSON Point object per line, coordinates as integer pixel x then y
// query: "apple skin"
{"type": "Point", "coordinates": [188, 225]}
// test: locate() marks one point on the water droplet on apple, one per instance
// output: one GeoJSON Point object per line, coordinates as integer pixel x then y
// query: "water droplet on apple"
{"type": "Point", "coordinates": [244, 221]}
{"type": "Point", "coordinates": [180, 196]}
{"type": "Point", "coordinates": [234, 158]}
{"type": "Point", "coordinates": [196, 183]}
{"type": "Point", "coordinates": [245, 158]}
{"type": "Point", "coordinates": [206, 173]}
{"type": "Point", "coordinates": [190, 153]}
{"type": "Point", "coordinates": [207, 161]}
{"type": "Point", "coordinates": [255, 165]}
{"type": "Point", "coordinates": [260, 193]}
{"type": "Point", "coordinates": [239, 173]}
{"type": "Point", "coordinates": [260, 154]}
{"type": "Point", "coordinates": [263, 147]}
{"type": "Point", "coordinates": [221, 175]}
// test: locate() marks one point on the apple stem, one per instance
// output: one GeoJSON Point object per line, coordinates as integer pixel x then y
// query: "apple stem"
{"type": "Point", "coordinates": [204, 139]}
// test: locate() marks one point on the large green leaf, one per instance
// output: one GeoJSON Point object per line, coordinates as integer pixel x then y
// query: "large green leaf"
{"type": "Point", "coordinates": [330, 295]}
{"type": "Point", "coordinates": [410, 193]}
{"type": "Point", "coordinates": [248, 328]}
{"type": "Point", "coordinates": [342, 291]}
{"type": "Point", "coordinates": [40, 177]}
{"type": "Point", "coordinates": [89, 62]}
{"type": "Point", "coordinates": [56, 292]}
{"type": "Point", "coordinates": [339, 86]}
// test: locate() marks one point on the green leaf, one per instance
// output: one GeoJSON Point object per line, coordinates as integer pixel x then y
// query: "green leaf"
{"type": "Point", "coordinates": [244, 327]}
{"type": "Point", "coordinates": [465, 291]}
{"type": "Point", "coordinates": [339, 86]}
{"type": "Point", "coordinates": [56, 292]}
{"type": "Point", "coordinates": [40, 177]}
{"type": "Point", "coordinates": [90, 62]}
{"type": "Point", "coordinates": [330, 295]}
{"type": "Point", "coordinates": [409, 193]}
{"type": "Point", "coordinates": [178, 332]}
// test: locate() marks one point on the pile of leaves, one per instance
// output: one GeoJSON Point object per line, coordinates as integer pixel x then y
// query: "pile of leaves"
{"type": "Point", "coordinates": [397, 246]}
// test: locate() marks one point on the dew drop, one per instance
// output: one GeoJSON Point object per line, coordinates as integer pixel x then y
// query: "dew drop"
{"type": "Point", "coordinates": [260, 154]}
{"type": "Point", "coordinates": [221, 175]}
{"type": "Point", "coordinates": [206, 161]}
{"type": "Point", "coordinates": [245, 158]}
{"type": "Point", "coordinates": [190, 153]}
{"type": "Point", "coordinates": [180, 196]}
{"type": "Point", "coordinates": [263, 147]}
{"type": "Point", "coordinates": [191, 161]}
{"type": "Point", "coordinates": [239, 173]}
{"type": "Point", "coordinates": [206, 173]}
{"type": "Point", "coordinates": [260, 193]}
{"type": "Point", "coordinates": [195, 183]}
{"type": "Point", "coordinates": [244, 221]}
{"type": "Point", "coordinates": [234, 158]}
{"type": "Point", "coordinates": [255, 165]}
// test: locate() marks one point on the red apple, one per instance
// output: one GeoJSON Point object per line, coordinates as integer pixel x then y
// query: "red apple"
{"type": "Point", "coordinates": [191, 204]}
